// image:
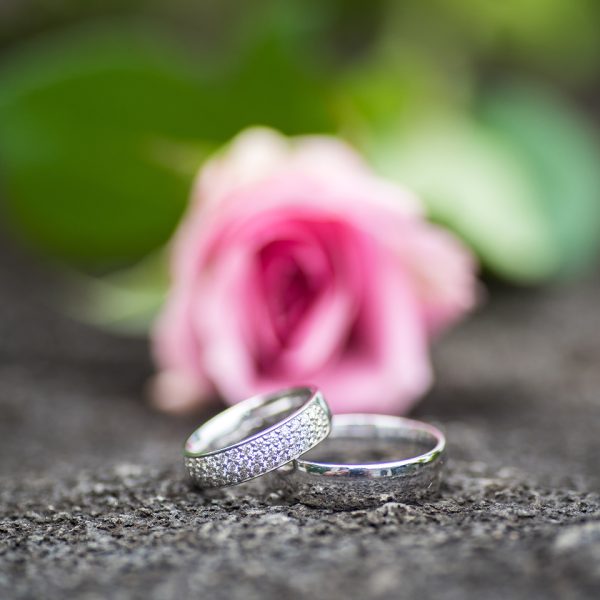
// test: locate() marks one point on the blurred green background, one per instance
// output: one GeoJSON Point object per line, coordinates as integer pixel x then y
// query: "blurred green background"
{"type": "Point", "coordinates": [107, 110]}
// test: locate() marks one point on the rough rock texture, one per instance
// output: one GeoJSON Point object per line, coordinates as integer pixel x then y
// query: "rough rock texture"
{"type": "Point", "coordinates": [93, 503]}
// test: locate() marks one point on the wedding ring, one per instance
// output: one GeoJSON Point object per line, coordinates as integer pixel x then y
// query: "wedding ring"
{"type": "Point", "coordinates": [343, 485]}
{"type": "Point", "coordinates": [256, 436]}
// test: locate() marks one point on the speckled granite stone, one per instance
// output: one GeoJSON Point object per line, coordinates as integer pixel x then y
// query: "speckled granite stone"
{"type": "Point", "coordinates": [93, 503]}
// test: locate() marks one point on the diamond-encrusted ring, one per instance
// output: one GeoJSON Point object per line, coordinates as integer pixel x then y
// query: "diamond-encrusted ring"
{"type": "Point", "coordinates": [346, 480]}
{"type": "Point", "coordinates": [256, 436]}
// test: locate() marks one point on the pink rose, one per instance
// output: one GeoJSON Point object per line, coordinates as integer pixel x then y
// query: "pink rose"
{"type": "Point", "coordinates": [296, 264]}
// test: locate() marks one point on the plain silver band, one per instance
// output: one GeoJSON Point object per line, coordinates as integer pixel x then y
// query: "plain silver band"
{"type": "Point", "coordinates": [256, 436]}
{"type": "Point", "coordinates": [345, 486]}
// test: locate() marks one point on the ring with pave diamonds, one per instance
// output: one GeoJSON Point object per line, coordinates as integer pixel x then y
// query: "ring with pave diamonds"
{"type": "Point", "coordinates": [345, 485]}
{"type": "Point", "coordinates": [256, 436]}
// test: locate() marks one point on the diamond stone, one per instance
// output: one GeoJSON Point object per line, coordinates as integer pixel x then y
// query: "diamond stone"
{"type": "Point", "coordinates": [262, 454]}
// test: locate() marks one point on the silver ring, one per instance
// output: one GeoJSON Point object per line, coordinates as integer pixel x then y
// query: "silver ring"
{"type": "Point", "coordinates": [343, 485]}
{"type": "Point", "coordinates": [256, 436]}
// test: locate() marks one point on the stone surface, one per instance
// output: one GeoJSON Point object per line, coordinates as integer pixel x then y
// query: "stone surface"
{"type": "Point", "coordinates": [93, 503]}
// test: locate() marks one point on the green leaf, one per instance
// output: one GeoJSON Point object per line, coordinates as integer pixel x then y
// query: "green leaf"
{"type": "Point", "coordinates": [562, 152]}
{"type": "Point", "coordinates": [270, 85]}
{"type": "Point", "coordinates": [83, 120]}
{"type": "Point", "coordinates": [518, 181]}
{"type": "Point", "coordinates": [101, 132]}
{"type": "Point", "coordinates": [478, 188]}
{"type": "Point", "coordinates": [126, 301]}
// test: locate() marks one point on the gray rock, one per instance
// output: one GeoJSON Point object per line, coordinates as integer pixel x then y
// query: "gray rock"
{"type": "Point", "coordinates": [93, 503]}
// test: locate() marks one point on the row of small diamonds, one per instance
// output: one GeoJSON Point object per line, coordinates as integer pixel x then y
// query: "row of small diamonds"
{"type": "Point", "coordinates": [262, 454]}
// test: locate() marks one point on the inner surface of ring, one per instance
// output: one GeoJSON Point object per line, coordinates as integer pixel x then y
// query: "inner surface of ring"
{"type": "Point", "coordinates": [370, 444]}
{"type": "Point", "coordinates": [227, 429]}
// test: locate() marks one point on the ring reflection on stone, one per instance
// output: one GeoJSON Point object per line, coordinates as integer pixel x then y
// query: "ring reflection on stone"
{"type": "Point", "coordinates": [346, 482]}
{"type": "Point", "coordinates": [256, 436]}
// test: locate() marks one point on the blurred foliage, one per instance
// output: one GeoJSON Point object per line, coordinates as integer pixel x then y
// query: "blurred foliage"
{"type": "Point", "coordinates": [102, 131]}
{"type": "Point", "coordinates": [558, 37]}
{"type": "Point", "coordinates": [126, 300]}
{"type": "Point", "coordinates": [93, 127]}
{"type": "Point", "coordinates": [103, 126]}
{"type": "Point", "coordinates": [517, 178]}
{"type": "Point", "coordinates": [561, 152]}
